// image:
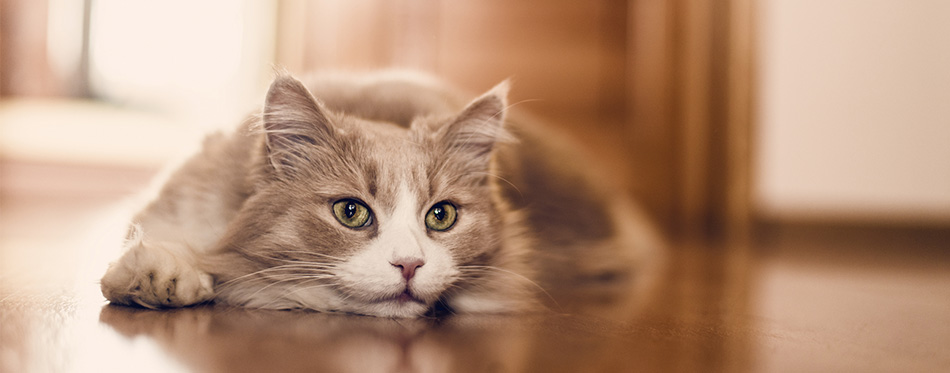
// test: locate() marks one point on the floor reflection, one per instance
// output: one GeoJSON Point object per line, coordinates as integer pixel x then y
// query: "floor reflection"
{"type": "Point", "coordinates": [226, 339]}
{"type": "Point", "coordinates": [223, 339]}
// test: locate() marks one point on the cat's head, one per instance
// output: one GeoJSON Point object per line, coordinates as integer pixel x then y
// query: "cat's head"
{"type": "Point", "coordinates": [368, 217]}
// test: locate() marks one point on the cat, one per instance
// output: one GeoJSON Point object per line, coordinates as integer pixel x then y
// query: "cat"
{"type": "Point", "coordinates": [386, 194]}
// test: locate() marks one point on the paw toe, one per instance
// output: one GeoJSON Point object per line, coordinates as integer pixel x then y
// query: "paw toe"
{"type": "Point", "coordinates": [154, 277]}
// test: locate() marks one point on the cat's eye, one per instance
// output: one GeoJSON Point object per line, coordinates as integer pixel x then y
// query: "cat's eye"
{"type": "Point", "coordinates": [442, 216]}
{"type": "Point", "coordinates": [351, 213]}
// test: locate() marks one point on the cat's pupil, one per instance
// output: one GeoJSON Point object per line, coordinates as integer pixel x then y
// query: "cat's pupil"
{"type": "Point", "coordinates": [439, 213]}
{"type": "Point", "coordinates": [350, 210]}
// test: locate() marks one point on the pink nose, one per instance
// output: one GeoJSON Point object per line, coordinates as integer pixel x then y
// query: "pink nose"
{"type": "Point", "coordinates": [408, 266]}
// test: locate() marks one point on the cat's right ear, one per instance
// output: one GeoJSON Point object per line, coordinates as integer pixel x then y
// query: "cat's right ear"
{"type": "Point", "coordinates": [293, 120]}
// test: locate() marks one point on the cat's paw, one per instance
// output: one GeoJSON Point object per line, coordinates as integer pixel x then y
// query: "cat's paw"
{"type": "Point", "coordinates": [156, 276]}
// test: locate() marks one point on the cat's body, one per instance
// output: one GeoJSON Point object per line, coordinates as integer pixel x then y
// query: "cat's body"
{"type": "Point", "coordinates": [388, 195]}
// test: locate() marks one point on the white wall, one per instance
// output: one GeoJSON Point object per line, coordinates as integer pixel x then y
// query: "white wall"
{"type": "Point", "coordinates": [854, 116]}
{"type": "Point", "coordinates": [206, 62]}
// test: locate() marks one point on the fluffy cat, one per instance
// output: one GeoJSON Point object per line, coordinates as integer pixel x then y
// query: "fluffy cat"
{"type": "Point", "coordinates": [384, 195]}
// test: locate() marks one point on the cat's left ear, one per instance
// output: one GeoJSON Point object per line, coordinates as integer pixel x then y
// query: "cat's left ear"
{"type": "Point", "coordinates": [480, 126]}
{"type": "Point", "coordinates": [293, 120]}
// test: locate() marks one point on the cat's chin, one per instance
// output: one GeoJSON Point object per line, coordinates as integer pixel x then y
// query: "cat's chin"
{"type": "Point", "coordinates": [405, 297]}
{"type": "Point", "coordinates": [401, 306]}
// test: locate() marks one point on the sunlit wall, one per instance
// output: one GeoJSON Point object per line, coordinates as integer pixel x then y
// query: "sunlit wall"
{"type": "Point", "coordinates": [204, 60]}
{"type": "Point", "coordinates": [133, 83]}
{"type": "Point", "coordinates": [854, 119]}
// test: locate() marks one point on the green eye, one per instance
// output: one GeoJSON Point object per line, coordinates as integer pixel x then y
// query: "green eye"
{"type": "Point", "coordinates": [441, 216]}
{"type": "Point", "coordinates": [351, 213]}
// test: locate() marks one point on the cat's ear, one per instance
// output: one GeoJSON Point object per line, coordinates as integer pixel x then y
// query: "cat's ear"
{"type": "Point", "coordinates": [481, 125]}
{"type": "Point", "coordinates": [293, 120]}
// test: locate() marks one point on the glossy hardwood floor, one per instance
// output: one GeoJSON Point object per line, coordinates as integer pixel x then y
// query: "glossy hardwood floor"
{"type": "Point", "coordinates": [799, 299]}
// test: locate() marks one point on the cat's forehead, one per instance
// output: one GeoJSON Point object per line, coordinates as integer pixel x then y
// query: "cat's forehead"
{"type": "Point", "coordinates": [389, 144]}
{"type": "Point", "coordinates": [394, 161]}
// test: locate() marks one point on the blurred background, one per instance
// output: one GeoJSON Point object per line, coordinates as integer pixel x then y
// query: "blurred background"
{"type": "Point", "coordinates": [723, 117]}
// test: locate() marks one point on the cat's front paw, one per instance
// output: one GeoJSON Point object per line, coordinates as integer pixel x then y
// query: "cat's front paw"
{"type": "Point", "coordinates": [155, 276]}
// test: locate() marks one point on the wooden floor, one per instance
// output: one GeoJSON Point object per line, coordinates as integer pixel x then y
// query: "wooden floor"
{"type": "Point", "coordinates": [800, 299]}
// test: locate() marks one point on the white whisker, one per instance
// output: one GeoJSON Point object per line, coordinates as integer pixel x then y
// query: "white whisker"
{"type": "Point", "coordinates": [485, 269]}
